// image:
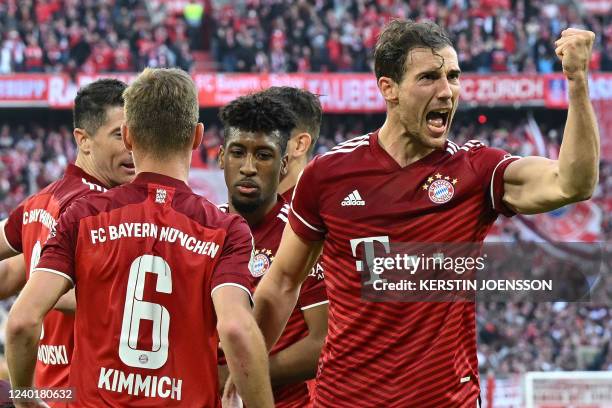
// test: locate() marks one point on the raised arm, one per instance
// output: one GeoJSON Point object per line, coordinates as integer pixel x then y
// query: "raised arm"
{"type": "Point", "coordinates": [277, 292]}
{"type": "Point", "coordinates": [536, 184]}
{"type": "Point", "coordinates": [243, 346]}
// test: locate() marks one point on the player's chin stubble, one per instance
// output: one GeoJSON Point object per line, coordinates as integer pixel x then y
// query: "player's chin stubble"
{"type": "Point", "coordinates": [246, 207]}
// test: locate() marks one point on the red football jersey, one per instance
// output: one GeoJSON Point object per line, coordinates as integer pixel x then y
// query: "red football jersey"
{"type": "Point", "coordinates": [27, 229]}
{"type": "Point", "coordinates": [145, 258]}
{"type": "Point", "coordinates": [267, 235]}
{"type": "Point", "coordinates": [288, 195]}
{"type": "Point", "coordinates": [356, 197]}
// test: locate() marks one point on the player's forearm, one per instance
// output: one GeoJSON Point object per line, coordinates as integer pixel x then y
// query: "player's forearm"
{"type": "Point", "coordinates": [275, 298]}
{"type": "Point", "coordinates": [22, 335]}
{"type": "Point", "coordinates": [247, 360]}
{"type": "Point", "coordinates": [11, 280]}
{"type": "Point", "coordinates": [67, 303]}
{"type": "Point", "coordinates": [579, 156]}
{"type": "Point", "coordinates": [297, 362]}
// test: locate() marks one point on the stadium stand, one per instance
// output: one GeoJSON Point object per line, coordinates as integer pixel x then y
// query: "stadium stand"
{"type": "Point", "coordinates": [280, 36]}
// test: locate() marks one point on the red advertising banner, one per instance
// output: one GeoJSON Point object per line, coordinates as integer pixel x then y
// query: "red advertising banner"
{"type": "Point", "coordinates": [340, 93]}
{"type": "Point", "coordinates": [24, 90]}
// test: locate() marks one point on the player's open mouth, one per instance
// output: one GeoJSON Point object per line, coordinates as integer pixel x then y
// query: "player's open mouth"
{"type": "Point", "coordinates": [129, 166]}
{"type": "Point", "coordinates": [437, 120]}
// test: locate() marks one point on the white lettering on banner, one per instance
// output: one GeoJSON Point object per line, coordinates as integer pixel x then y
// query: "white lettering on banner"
{"type": "Point", "coordinates": [61, 92]}
{"type": "Point", "coordinates": [14, 88]}
{"type": "Point", "coordinates": [205, 82]}
{"type": "Point", "coordinates": [493, 89]}
{"type": "Point", "coordinates": [600, 88]}
{"type": "Point", "coordinates": [347, 94]}
{"type": "Point", "coordinates": [234, 83]}
{"type": "Point", "coordinates": [140, 385]}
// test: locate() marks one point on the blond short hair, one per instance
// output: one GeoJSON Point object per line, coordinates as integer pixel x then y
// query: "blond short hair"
{"type": "Point", "coordinates": [161, 110]}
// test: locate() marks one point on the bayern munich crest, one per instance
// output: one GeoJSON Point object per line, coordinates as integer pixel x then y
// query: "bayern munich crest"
{"type": "Point", "coordinates": [440, 189]}
{"type": "Point", "coordinates": [261, 262]}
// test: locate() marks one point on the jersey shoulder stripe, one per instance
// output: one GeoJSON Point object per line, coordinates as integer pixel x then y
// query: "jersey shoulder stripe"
{"type": "Point", "coordinates": [453, 147]}
{"type": "Point", "coordinates": [350, 145]}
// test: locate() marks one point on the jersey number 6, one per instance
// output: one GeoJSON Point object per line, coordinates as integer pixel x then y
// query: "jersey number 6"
{"type": "Point", "coordinates": [137, 309]}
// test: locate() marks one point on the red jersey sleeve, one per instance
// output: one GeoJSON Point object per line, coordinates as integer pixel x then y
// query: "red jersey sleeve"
{"type": "Point", "coordinates": [57, 255]}
{"type": "Point", "coordinates": [304, 217]}
{"type": "Point", "coordinates": [12, 229]}
{"type": "Point", "coordinates": [490, 164]}
{"type": "Point", "coordinates": [313, 291]}
{"type": "Point", "coordinates": [234, 266]}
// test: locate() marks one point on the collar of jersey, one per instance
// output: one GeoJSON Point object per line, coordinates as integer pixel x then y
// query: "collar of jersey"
{"type": "Point", "coordinates": [156, 178]}
{"type": "Point", "coordinates": [389, 162]}
{"type": "Point", "coordinates": [76, 171]}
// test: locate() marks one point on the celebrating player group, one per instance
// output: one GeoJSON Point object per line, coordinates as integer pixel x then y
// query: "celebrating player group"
{"type": "Point", "coordinates": [137, 292]}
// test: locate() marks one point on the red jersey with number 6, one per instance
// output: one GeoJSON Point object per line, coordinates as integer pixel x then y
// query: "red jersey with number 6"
{"type": "Point", "coordinates": [27, 229]}
{"type": "Point", "coordinates": [145, 258]}
{"type": "Point", "coordinates": [357, 198]}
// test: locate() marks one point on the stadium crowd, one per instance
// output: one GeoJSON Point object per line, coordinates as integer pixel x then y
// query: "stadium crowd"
{"type": "Point", "coordinates": [90, 36]}
{"type": "Point", "coordinates": [490, 35]}
{"type": "Point", "coordinates": [280, 35]}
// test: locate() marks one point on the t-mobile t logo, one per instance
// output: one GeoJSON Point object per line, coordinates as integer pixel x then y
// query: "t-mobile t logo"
{"type": "Point", "coordinates": [368, 245]}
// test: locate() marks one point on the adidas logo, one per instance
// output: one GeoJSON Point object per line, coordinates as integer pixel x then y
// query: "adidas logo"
{"type": "Point", "coordinates": [353, 199]}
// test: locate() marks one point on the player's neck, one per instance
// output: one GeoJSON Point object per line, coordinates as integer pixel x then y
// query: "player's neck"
{"type": "Point", "coordinates": [257, 216]}
{"type": "Point", "coordinates": [85, 163]}
{"type": "Point", "coordinates": [171, 167]}
{"type": "Point", "coordinates": [290, 180]}
{"type": "Point", "coordinates": [402, 147]}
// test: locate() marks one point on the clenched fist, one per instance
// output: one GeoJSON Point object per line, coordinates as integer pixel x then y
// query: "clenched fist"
{"type": "Point", "coordinates": [574, 50]}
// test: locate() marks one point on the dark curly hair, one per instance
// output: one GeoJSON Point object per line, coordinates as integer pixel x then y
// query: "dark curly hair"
{"type": "Point", "coordinates": [259, 113]}
{"type": "Point", "coordinates": [306, 107]}
{"type": "Point", "coordinates": [400, 37]}
{"type": "Point", "coordinates": [92, 100]}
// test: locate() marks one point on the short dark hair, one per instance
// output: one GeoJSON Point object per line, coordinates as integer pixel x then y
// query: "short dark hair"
{"type": "Point", "coordinates": [92, 100]}
{"type": "Point", "coordinates": [305, 105]}
{"type": "Point", "coordinates": [400, 37]}
{"type": "Point", "coordinates": [258, 113]}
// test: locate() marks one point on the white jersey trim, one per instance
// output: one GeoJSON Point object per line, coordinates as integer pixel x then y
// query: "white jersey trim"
{"type": "Point", "coordinates": [304, 221]}
{"type": "Point", "coordinates": [2, 226]}
{"type": "Point", "coordinates": [315, 305]}
{"type": "Point", "coordinates": [493, 177]}
{"type": "Point", "coordinates": [348, 149]}
{"type": "Point", "coordinates": [55, 272]}
{"type": "Point", "coordinates": [235, 285]}
{"type": "Point", "coordinates": [352, 142]}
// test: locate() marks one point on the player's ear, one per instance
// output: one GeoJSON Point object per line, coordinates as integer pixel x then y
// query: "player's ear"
{"type": "Point", "coordinates": [128, 142]}
{"type": "Point", "coordinates": [302, 144]}
{"type": "Point", "coordinates": [388, 88]}
{"type": "Point", "coordinates": [199, 135]}
{"type": "Point", "coordinates": [221, 158]}
{"type": "Point", "coordinates": [284, 168]}
{"type": "Point", "coordinates": [83, 140]}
